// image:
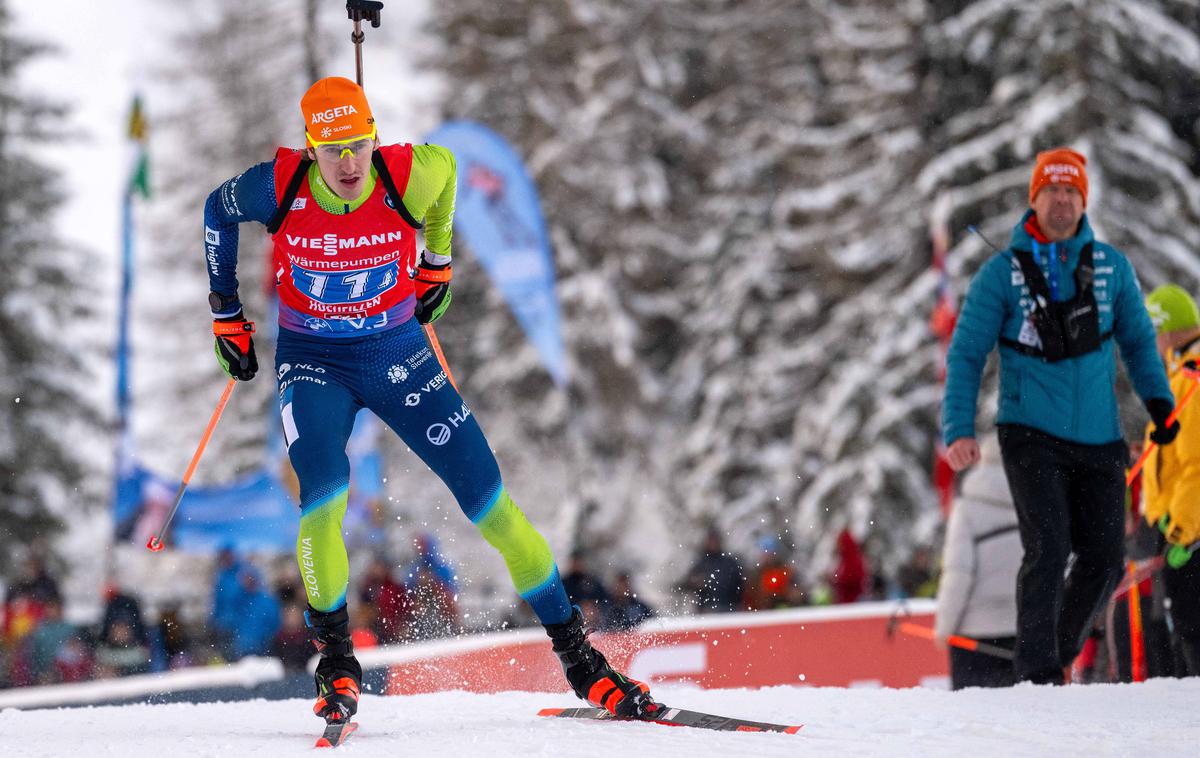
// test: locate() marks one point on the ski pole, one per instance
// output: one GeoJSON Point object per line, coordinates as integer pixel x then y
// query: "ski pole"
{"type": "Point", "coordinates": [156, 542]}
{"type": "Point", "coordinates": [369, 10]}
{"type": "Point", "coordinates": [437, 350]}
{"type": "Point", "coordinates": [359, 11]}
{"type": "Point", "coordinates": [966, 643]}
{"type": "Point", "coordinates": [1192, 374]}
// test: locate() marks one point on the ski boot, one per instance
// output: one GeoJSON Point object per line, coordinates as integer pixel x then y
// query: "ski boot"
{"type": "Point", "coordinates": [593, 679]}
{"type": "Point", "coordinates": [339, 677]}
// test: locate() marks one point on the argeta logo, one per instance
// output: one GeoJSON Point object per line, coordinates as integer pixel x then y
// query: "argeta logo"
{"type": "Point", "coordinates": [438, 434]}
{"type": "Point", "coordinates": [397, 374]}
{"type": "Point", "coordinates": [329, 114]}
{"type": "Point", "coordinates": [211, 236]}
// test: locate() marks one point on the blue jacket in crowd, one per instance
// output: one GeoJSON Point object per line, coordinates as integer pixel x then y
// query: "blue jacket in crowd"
{"type": "Point", "coordinates": [1073, 399]}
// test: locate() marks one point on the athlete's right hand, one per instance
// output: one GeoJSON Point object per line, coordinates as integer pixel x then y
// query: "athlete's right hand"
{"type": "Point", "coordinates": [962, 452]}
{"type": "Point", "coordinates": [235, 347]}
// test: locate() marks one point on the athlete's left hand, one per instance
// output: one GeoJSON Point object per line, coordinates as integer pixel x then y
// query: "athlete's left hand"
{"type": "Point", "coordinates": [432, 285]}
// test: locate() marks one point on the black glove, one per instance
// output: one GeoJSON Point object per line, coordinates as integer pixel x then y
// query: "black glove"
{"type": "Point", "coordinates": [431, 283]}
{"type": "Point", "coordinates": [1160, 410]}
{"type": "Point", "coordinates": [235, 347]}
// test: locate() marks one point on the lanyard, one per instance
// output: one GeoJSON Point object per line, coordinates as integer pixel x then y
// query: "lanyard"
{"type": "Point", "coordinates": [1051, 268]}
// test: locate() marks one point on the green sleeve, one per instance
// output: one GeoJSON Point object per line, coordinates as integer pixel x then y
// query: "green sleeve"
{"type": "Point", "coordinates": [429, 196]}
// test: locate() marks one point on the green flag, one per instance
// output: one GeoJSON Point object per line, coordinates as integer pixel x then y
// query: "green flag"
{"type": "Point", "coordinates": [139, 178]}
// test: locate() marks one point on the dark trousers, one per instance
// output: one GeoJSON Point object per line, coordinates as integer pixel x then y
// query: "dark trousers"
{"type": "Point", "coordinates": [1183, 589]}
{"type": "Point", "coordinates": [971, 669]}
{"type": "Point", "coordinates": [1069, 498]}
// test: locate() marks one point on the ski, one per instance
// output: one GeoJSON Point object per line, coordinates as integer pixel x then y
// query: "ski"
{"type": "Point", "coordinates": [336, 733]}
{"type": "Point", "coordinates": [677, 717]}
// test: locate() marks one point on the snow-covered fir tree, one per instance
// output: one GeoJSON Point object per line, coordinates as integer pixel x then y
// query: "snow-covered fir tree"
{"type": "Point", "coordinates": [50, 331]}
{"type": "Point", "coordinates": [239, 75]}
{"type": "Point", "coordinates": [739, 195]}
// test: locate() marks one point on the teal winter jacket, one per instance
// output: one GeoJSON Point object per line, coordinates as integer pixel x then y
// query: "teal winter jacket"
{"type": "Point", "coordinates": [1073, 399]}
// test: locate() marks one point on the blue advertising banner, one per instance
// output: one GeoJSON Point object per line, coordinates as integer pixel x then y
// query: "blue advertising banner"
{"type": "Point", "coordinates": [499, 215]}
{"type": "Point", "coordinates": [256, 513]}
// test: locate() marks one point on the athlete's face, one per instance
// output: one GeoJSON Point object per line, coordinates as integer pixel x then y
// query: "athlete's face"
{"type": "Point", "coordinates": [345, 166]}
{"type": "Point", "coordinates": [1059, 208]}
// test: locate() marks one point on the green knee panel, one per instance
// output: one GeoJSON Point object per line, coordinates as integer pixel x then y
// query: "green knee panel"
{"type": "Point", "coordinates": [525, 552]}
{"type": "Point", "coordinates": [321, 552]}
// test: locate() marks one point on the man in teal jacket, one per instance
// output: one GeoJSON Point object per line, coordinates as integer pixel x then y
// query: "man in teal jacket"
{"type": "Point", "coordinates": [1056, 300]}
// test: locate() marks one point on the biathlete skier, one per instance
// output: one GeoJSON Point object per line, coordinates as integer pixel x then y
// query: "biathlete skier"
{"type": "Point", "coordinates": [343, 214]}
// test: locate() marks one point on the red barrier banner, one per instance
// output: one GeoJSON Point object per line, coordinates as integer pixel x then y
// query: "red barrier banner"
{"type": "Point", "coordinates": [836, 646]}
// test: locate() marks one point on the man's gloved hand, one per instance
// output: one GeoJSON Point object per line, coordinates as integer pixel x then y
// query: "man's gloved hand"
{"type": "Point", "coordinates": [1178, 556]}
{"type": "Point", "coordinates": [1179, 552]}
{"type": "Point", "coordinates": [235, 347]}
{"type": "Point", "coordinates": [431, 281]}
{"type": "Point", "coordinates": [1160, 410]}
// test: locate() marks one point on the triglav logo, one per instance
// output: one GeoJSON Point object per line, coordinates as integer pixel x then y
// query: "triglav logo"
{"type": "Point", "coordinates": [412, 399]}
{"type": "Point", "coordinates": [397, 374]}
{"type": "Point", "coordinates": [438, 434]}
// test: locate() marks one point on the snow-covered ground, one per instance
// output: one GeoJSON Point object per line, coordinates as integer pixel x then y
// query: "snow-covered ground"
{"type": "Point", "coordinates": [1096, 720]}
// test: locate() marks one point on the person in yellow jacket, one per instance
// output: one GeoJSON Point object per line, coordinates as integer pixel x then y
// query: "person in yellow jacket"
{"type": "Point", "coordinates": [1171, 477]}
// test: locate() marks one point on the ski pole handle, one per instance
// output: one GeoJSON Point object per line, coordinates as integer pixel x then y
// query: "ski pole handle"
{"type": "Point", "coordinates": [437, 350]}
{"type": "Point", "coordinates": [156, 542]}
{"type": "Point", "coordinates": [359, 11]}
{"type": "Point", "coordinates": [966, 643]}
{"type": "Point", "coordinates": [1192, 374]}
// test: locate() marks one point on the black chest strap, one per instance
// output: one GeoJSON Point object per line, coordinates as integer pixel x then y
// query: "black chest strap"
{"type": "Point", "coordinates": [289, 195]}
{"type": "Point", "coordinates": [385, 176]}
{"type": "Point", "coordinates": [397, 203]}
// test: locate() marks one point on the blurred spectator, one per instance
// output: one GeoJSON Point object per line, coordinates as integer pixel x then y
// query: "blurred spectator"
{"type": "Point", "coordinates": [123, 608]}
{"type": "Point", "coordinates": [429, 557]}
{"type": "Point", "coordinates": [291, 643]}
{"type": "Point", "coordinates": [119, 652]}
{"type": "Point", "coordinates": [977, 597]}
{"type": "Point", "coordinates": [73, 661]}
{"type": "Point", "coordinates": [716, 579]}
{"type": "Point", "coordinates": [435, 610]}
{"type": "Point", "coordinates": [170, 647]}
{"type": "Point", "coordinates": [849, 577]}
{"type": "Point", "coordinates": [225, 598]}
{"type": "Point", "coordinates": [46, 640]}
{"type": "Point", "coordinates": [584, 587]}
{"type": "Point", "coordinates": [1171, 476]}
{"type": "Point", "coordinates": [773, 584]}
{"type": "Point", "coordinates": [393, 611]}
{"type": "Point", "coordinates": [625, 610]}
{"type": "Point", "coordinates": [258, 616]}
{"type": "Point", "coordinates": [917, 577]}
{"type": "Point", "coordinates": [27, 596]}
